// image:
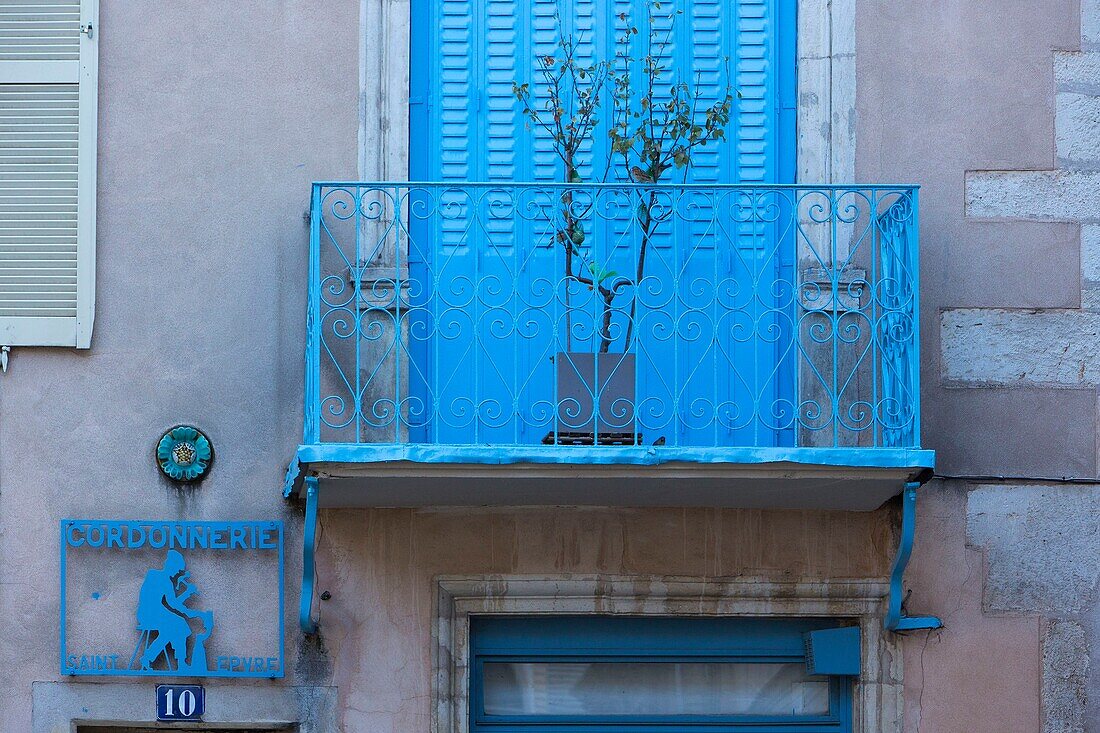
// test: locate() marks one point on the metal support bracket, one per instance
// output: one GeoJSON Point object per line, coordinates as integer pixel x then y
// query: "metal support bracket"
{"type": "Point", "coordinates": [896, 618]}
{"type": "Point", "coordinates": [309, 545]}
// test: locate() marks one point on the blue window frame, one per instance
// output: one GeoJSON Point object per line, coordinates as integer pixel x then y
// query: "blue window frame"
{"type": "Point", "coordinates": [652, 667]}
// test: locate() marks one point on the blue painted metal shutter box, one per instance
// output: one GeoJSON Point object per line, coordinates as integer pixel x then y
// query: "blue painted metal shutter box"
{"type": "Point", "coordinates": [833, 651]}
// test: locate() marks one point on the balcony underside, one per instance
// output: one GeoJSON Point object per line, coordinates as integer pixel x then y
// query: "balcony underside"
{"type": "Point", "coordinates": [412, 475]}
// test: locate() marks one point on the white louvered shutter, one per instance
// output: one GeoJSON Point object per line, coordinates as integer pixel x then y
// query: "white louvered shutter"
{"type": "Point", "coordinates": [48, 84]}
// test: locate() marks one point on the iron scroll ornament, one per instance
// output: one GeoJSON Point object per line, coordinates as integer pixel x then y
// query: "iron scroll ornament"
{"type": "Point", "coordinates": [184, 454]}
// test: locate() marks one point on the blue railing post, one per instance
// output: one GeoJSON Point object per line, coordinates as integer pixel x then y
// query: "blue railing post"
{"type": "Point", "coordinates": [913, 241]}
{"type": "Point", "coordinates": [311, 428]}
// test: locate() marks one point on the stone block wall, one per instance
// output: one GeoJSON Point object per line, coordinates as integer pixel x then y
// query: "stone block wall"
{"type": "Point", "coordinates": [1032, 537]}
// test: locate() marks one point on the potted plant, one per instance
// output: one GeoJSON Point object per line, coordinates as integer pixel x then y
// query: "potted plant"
{"type": "Point", "coordinates": [651, 136]}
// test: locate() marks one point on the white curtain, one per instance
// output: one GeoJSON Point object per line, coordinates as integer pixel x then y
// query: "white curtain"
{"type": "Point", "coordinates": [652, 688]}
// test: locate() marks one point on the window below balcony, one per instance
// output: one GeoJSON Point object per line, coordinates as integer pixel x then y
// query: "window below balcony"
{"type": "Point", "coordinates": [620, 675]}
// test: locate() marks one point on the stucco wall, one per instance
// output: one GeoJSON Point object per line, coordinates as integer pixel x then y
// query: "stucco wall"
{"type": "Point", "coordinates": [380, 567]}
{"type": "Point", "coordinates": [214, 118]}
{"type": "Point", "coordinates": [948, 87]}
{"type": "Point", "coordinates": [982, 104]}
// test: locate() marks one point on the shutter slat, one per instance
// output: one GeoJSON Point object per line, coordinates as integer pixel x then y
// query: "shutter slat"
{"type": "Point", "coordinates": [36, 298]}
{"type": "Point", "coordinates": [50, 290]}
{"type": "Point", "coordinates": [46, 309]}
{"type": "Point", "coordinates": [32, 226]}
{"type": "Point", "coordinates": [39, 259]}
{"type": "Point", "coordinates": [59, 270]}
{"type": "Point", "coordinates": [18, 220]}
{"type": "Point", "coordinates": [38, 182]}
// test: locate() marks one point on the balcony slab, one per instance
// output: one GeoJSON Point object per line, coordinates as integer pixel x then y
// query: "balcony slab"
{"type": "Point", "coordinates": [422, 475]}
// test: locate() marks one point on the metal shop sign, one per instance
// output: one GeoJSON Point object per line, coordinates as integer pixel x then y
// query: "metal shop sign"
{"type": "Point", "coordinates": [187, 599]}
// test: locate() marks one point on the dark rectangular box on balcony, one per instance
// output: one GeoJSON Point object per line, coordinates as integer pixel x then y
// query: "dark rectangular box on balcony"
{"type": "Point", "coordinates": [582, 378]}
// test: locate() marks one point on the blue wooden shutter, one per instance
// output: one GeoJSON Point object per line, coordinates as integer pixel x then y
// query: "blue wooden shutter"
{"type": "Point", "coordinates": [470, 51]}
{"type": "Point", "coordinates": [502, 40]}
{"type": "Point", "coordinates": [453, 91]}
{"type": "Point", "coordinates": [467, 53]}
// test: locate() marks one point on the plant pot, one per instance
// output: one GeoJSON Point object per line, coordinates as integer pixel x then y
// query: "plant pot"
{"type": "Point", "coordinates": [585, 379]}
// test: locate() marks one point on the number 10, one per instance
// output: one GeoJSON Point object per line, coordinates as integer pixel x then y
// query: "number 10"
{"type": "Point", "coordinates": [186, 703]}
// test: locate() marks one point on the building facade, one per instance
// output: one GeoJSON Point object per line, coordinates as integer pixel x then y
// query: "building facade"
{"type": "Point", "coordinates": [799, 436]}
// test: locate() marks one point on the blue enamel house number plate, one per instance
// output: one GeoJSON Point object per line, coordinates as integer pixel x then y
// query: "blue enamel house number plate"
{"type": "Point", "coordinates": [180, 702]}
{"type": "Point", "coordinates": [171, 599]}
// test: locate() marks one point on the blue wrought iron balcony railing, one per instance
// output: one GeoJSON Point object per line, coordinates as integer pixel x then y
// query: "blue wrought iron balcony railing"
{"type": "Point", "coordinates": [612, 345]}
{"type": "Point", "coordinates": [511, 322]}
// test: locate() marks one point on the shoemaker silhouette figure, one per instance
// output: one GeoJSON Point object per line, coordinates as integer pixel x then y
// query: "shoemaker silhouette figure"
{"type": "Point", "coordinates": [162, 616]}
